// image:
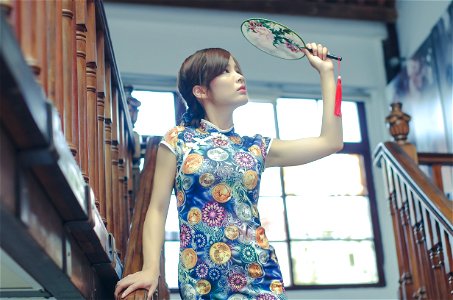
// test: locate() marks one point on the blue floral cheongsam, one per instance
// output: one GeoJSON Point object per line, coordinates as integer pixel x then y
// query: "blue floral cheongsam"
{"type": "Point", "coordinates": [224, 251]}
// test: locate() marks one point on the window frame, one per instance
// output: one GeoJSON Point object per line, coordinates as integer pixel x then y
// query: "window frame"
{"type": "Point", "coordinates": [362, 148]}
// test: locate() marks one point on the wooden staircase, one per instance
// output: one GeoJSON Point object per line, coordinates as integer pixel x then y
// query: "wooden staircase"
{"type": "Point", "coordinates": [422, 217]}
{"type": "Point", "coordinates": [67, 149]}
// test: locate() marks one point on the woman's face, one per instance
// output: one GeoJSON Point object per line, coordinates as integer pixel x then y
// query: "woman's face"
{"type": "Point", "coordinates": [229, 89]}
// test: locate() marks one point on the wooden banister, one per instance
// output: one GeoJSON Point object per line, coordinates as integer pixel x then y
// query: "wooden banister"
{"type": "Point", "coordinates": [64, 112]}
{"type": "Point", "coordinates": [423, 225]}
{"type": "Point", "coordinates": [134, 254]}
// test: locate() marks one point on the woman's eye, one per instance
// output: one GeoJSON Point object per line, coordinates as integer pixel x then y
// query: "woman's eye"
{"type": "Point", "coordinates": [226, 71]}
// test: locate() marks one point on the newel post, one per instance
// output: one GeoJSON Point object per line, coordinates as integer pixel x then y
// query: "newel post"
{"type": "Point", "coordinates": [398, 124]}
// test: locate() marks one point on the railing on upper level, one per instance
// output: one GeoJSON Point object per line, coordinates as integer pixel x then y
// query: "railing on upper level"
{"type": "Point", "coordinates": [421, 214]}
{"type": "Point", "coordinates": [435, 162]}
{"type": "Point", "coordinates": [65, 115]}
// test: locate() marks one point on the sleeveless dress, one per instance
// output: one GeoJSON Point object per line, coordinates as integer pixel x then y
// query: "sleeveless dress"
{"type": "Point", "coordinates": [224, 251]}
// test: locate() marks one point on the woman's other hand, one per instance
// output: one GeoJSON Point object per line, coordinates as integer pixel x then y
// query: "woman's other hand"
{"type": "Point", "coordinates": [318, 59]}
{"type": "Point", "coordinates": [145, 279]}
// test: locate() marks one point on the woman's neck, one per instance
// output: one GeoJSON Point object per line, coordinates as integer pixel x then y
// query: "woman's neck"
{"type": "Point", "coordinates": [223, 122]}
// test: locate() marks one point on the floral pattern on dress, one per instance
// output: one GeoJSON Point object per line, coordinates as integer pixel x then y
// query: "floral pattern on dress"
{"type": "Point", "coordinates": [224, 252]}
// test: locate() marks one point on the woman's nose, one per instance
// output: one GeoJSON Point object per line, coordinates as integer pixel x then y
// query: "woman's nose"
{"type": "Point", "coordinates": [240, 78]}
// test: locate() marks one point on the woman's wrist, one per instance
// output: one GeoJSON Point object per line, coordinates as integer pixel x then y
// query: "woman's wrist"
{"type": "Point", "coordinates": [152, 269]}
{"type": "Point", "coordinates": [326, 72]}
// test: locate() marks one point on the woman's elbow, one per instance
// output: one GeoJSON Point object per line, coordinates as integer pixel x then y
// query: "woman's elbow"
{"type": "Point", "coordinates": [336, 147]}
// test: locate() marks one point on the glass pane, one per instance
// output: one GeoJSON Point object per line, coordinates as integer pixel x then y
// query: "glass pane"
{"type": "Point", "coordinates": [350, 120]}
{"type": "Point", "coordinates": [298, 118]}
{"type": "Point", "coordinates": [327, 176]}
{"type": "Point", "coordinates": [171, 264]}
{"type": "Point", "coordinates": [334, 262]}
{"type": "Point", "coordinates": [172, 223]}
{"type": "Point", "coordinates": [281, 251]}
{"type": "Point", "coordinates": [271, 184]}
{"type": "Point", "coordinates": [253, 118]}
{"type": "Point", "coordinates": [329, 217]}
{"type": "Point", "coordinates": [156, 114]}
{"type": "Point", "coordinates": [272, 217]}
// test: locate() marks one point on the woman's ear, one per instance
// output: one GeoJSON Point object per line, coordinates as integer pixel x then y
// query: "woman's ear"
{"type": "Point", "coordinates": [199, 92]}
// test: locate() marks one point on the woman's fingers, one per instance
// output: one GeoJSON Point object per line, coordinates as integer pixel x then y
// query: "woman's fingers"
{"type": "Point", "coordinates": [318, 50]}
{"type": "Point", "coordinates": [324, 53]}
{"type": "Point", "coordinates": [129, 290]}
{"type": "Point", "coordinates": [151, 290]}
{"type": "Point", "coordinates": [150, 294]}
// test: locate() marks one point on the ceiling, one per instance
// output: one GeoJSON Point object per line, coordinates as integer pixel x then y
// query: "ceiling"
{"type": "Point", "coordinates": [365, 10]}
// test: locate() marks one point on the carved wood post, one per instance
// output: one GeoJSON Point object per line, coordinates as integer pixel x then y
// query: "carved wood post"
{"type": "Point", "coordinates": [59, 57]}
{"type": "Point", "coordinates": [115, 172]}
{"type": "Point", "coordinates": [81, 36]}
{"type": "Point", "coordinates": [108, 150]}
{"type": "Point", "coordinates": [100, 123]}
{"type": "Point", "coordinates": [398, 123]}
{"type": "Point", "coordinates": [41, 43]}
{"type": "Point", "coordinates": [67, 62]}
{"type": "Point", "coordinates": [92, 100]}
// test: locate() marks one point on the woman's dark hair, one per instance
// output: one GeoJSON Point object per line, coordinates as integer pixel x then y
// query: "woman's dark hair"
{"type": "Point", "coordinates": [199, 69]}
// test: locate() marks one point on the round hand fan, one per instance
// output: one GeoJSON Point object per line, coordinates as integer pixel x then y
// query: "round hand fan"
{"type": "Point", "coordinates": [275, 39]}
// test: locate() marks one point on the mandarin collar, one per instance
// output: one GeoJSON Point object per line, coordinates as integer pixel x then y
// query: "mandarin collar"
{"type": "Point", "coordinates": [210, 127]}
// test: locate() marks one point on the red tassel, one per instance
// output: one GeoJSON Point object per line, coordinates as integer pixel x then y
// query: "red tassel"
{"type": "Point", "coordinates": [338, 96]}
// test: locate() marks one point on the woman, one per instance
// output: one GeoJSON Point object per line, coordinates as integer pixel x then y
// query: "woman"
{"type": "Point", "coordinates": [215, 172]}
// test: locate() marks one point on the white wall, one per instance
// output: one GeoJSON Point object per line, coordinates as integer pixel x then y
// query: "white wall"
{"type": "Point", "coordinates": [416, 18]}
{"type": "Point", "coordinates": [151, 42]}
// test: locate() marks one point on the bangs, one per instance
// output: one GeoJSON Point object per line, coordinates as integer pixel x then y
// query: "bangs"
{"type": "Point", "coordinates": [214, 62]}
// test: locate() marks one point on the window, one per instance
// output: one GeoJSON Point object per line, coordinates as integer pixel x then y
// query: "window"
{"type": "Point", "coordinates": [320, 218]}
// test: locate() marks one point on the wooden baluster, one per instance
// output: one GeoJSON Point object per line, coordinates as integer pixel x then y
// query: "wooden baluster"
{"type": "Point", "coordinates": [115, 175]}
{"type": "Point", "coordinates": [75, 91]}
{"type": "Point", "coordinates": [100, 122]}
{"type": "Point", "coordinates": [27, 35]}
{"type": "Point", "coordinates": [420, 250]}
{"type": "Point", "coordinates": [92, 100]}
{"type": "Point", "coordinates": [130, 187]}
{"type": "Point", "coordinates": [123, 177]}
{"type": "Point", "coordinates": [41, 43]}
{"type": "Point", "coordinates": [81, 40]}
{"type": "Point", "coordinates": [127, 179]}
{"type": "Point", "coordinates": [446, 255]}
{"type": "Point", "coordinates": [406, 275]}
{"type": "Point", "coordinates": [67, 62]}
{"type": "Point", "coordinates": [80, 76]}
{"type": "Point", "coordinates": [448, 252]}
{"type": "Point", "coordinates": [436, 175]}
{"type": "Point", "coordinates": [59, 79]}
{"type": "Point", "coordinates": [438, 263]}
{"type": "Point", "coordinates": [122, 202]}
{"type": "Point", "coordinates": [51, 52]}
{"type": "Point", "coordinates": [390, 192]}
{"type": "Point", "coordinates": [406, 220]}
{"type": "Point", "coordinates": [108, 149]}
{"type": "Point", "coordinates": [429, 243]}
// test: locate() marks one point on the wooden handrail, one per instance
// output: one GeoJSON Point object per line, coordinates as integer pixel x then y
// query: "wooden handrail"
{"type": "Point", "coordinates": [425, 158]}
{"type": "Point", "coordinates": [435, 162]}
{"type": "Point", "coordinates": [423, 226]}
{"type": "Point", "coordinates": [134, 254]}
{"type": "Point", "coordinates": [439, 204]}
